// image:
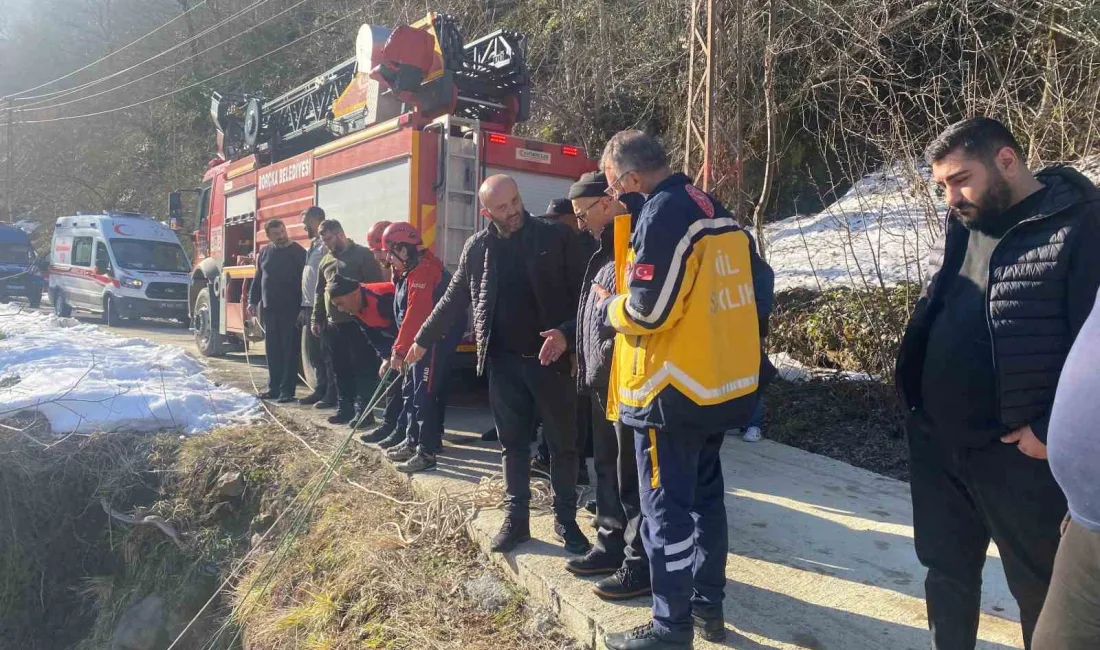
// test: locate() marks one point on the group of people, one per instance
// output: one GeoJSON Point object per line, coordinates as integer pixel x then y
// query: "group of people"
{"type": "Point", "coordinates": [636, 310]}
{"type": "Point", "coordinates": [359, 309]}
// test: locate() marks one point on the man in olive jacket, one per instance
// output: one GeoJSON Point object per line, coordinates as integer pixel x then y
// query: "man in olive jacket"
{"type": "Point", "coordinates": [353, 362]}
{"type": "Point", "coordinates": [522, 276]}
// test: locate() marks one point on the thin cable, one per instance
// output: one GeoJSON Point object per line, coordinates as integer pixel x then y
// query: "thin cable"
{"type": "Point", "coordinates": [197, 83]}
{"type": "Point", "coordinates": [168, 67]}
{"type": "Point", "coordinates": [18, 95]}
{"type": "Point", "coordinates": [37, 106]}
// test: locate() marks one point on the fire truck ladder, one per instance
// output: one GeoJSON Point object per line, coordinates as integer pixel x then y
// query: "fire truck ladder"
{"type": "Point", "coordinates": [457, 215]}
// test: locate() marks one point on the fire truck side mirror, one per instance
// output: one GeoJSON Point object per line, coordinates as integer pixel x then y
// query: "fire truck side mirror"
{"type": "Point", "coordinates": [175, 211]}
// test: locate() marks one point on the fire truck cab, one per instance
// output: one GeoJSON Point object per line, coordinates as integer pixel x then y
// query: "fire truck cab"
{"type": "Point", "coordinates": [405, 131]}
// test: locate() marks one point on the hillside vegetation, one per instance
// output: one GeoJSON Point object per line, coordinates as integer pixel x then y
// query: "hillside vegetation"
{"type": "Point", "coordinates": [831, 88]}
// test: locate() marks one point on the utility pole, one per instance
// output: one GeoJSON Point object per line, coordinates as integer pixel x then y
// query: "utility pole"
{"type": "Point", "coordinates": [739, 161]}
{"type": "Point", "coordinates": [700, 99]}
{"type": "Point", "coordinates": [8, 180]}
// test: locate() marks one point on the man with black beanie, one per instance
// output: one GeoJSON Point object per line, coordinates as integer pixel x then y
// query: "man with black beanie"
{"type": "Point", "coordinates": [618, 552]}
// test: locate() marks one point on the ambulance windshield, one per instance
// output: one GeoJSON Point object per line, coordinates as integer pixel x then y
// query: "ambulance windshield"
{"type": "Point", "coordinates": [144, 255]}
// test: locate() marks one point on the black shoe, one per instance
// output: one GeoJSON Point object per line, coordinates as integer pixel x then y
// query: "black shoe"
{"type": "Point", "coordinates": [590, 506]}
{"type": "Point", "coordinates": [628, 582]}
{"type": "Point", "coordinates": [711, 629]}
{"type": "Point", "coordinates": [312, 398]}
{"type": "Point", "coordinates": [490, 435]}
{"type": "Point", "coordinates": [341, 417]}
{"type": "Point", "coordinates": [643, 637]}
{"type": "Point", "coordinates": [376, 435]}
{"type": "Point", "coordinates": [595, 563]}
{"type": "Point", "coordinates": [512, 533]}
{"type": "Point", "coordinates": [392, 440]}
{"type": "Point", "coordinates": [268, 394]}
{"type": "Point", "coordinates": [367, 421]}
{"type": "Point", "coordinates": [571, 536]}
{"type": "Point", "coordinates": [324, 404]}
{"type": "Point", "coordinates": [286, 399]}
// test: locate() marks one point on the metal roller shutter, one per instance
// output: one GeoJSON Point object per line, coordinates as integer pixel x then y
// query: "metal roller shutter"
{"type": "Point", "coordinates": [361, 199]}
{"type": "Point", "coordinates": [537, 190]}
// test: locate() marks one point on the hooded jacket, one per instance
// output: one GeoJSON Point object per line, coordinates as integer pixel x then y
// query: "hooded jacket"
{"type": "Point", "coordinates": [1043, 278]}
{"type": "Point", "coordinates": [687, 354]}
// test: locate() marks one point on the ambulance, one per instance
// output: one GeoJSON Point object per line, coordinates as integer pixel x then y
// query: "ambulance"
{"type": "Point", "coordinates": [122, 266]}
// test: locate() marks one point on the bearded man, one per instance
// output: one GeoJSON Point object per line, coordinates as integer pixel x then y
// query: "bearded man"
{"type": "Point", "coordinates": [979, 365]}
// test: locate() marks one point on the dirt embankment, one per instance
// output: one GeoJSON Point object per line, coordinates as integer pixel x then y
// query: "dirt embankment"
{"type": "Point", "coordinates": [241, 511]}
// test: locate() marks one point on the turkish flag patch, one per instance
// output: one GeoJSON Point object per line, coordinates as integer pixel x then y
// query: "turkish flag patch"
{"type": "Point", "coordinates": [643, 272]}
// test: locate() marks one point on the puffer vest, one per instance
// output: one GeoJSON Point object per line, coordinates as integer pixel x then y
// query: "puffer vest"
{"type": "Point", "coordinates": [1026, 302]}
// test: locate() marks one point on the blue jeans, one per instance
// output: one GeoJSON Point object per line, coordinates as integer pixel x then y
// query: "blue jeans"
{"type": "Point", "coordinates": [757, 417]}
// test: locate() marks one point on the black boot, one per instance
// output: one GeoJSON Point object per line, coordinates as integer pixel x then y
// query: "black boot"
{"type": "Point", "coordinates": [490, 435]}
{"type": "Point", "coordinates": [571, 536]}
{"type": "Point", "coordinates": [342, 417]}
{"type": "Point", "coordinates": [378, 434]}
{"type": "Point", "coordinates": [596, 562]}
{"type": "Point", "coordinates": [628, 582]}
{"type": "Point", "coordinates": [312, 398]}
{"type": "Point", "coordinates": [513, 532]}
{"type": "Point", "coordinates": [643, 637]}
{"type": "Point", "coordinates": [711, 629]}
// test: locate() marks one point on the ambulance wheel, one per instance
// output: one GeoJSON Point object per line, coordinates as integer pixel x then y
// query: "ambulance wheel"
{"type": "Point", "coordinates": [207, 339]}
{"type": "Point", "coordinates": [110, 312]}
{"type": "Point", "coordinates": [61, 307]}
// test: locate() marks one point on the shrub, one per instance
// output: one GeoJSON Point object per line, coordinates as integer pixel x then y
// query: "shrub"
{"type": "Point", "coordinates": [843, 329]}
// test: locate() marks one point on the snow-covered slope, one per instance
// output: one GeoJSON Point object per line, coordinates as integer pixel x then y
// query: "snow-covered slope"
{"type": "Point", "coordinates": [880, 230]}
{"type": "Point", "coordinates": [85, 380]}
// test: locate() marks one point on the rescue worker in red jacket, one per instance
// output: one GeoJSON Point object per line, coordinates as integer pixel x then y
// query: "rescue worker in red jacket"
{"type": "Point", "coordinates": [372, 305]}
{"type": "Point", "coordinates": [420, 281]}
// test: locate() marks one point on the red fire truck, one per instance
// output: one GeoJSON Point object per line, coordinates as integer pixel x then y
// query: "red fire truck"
{"type": "Point", "coordinates": [405, 130]}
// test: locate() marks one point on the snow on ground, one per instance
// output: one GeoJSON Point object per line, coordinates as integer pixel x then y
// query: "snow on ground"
{"type": "Point", "coordinates": [85, 380]}
{"type": "Point", "coordinates": [881, 229]}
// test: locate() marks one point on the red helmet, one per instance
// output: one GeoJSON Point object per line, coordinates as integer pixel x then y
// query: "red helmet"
{"type": "Point", "coordinates": [374, 236]}
{"type": "Point", "coordinates": [402, 233]}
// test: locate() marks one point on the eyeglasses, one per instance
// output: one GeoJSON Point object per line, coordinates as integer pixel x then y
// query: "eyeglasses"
{"type": "Point", "coordinates": [583, 214]}
{"type": "Point", "coordinates": [611, 191]}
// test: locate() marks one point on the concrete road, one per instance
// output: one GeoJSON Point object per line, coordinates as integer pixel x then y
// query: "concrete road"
{"type": "Point", "coordinates": [820, 553]}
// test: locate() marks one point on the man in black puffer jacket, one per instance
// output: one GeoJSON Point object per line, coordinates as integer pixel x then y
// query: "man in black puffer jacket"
{"type": "Point", "coordinates": [618, 550]}
{"type": "Point", "coordinates": [522, 276]}
{"type": "Point", "coordinates": [979, 365]}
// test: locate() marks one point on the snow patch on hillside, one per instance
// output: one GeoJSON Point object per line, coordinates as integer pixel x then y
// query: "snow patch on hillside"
{"type": "Point", "coordinates": [878, 233]}
{"type": "Point", "coordinates": [85, 380]}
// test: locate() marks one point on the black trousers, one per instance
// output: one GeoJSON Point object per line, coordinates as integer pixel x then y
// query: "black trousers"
{"type": "Point", "coordinates": [618, 510]}
{"type": "Point", "coordinates": [963, 497]}
{"type": "Point", "coordinates": [1071, 614]}
{"type": "Point", "coordinates": [318, 360]}
{"type": "Point", "coordinates": [520, 387]}
{"type": "Point", "coordinates": [283, 346]}
{"type": "Point", "coordinates": [353, 362]}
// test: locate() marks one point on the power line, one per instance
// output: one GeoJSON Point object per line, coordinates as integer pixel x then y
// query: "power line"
{"type": "Point", "coordinates": [65, 93]}
{"type": "Point", "coordinates": [18, 95]}
{"type": "Point", "coordinates": [197, 83]}
{"type": "Point", "coordinates": [170, 66]}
